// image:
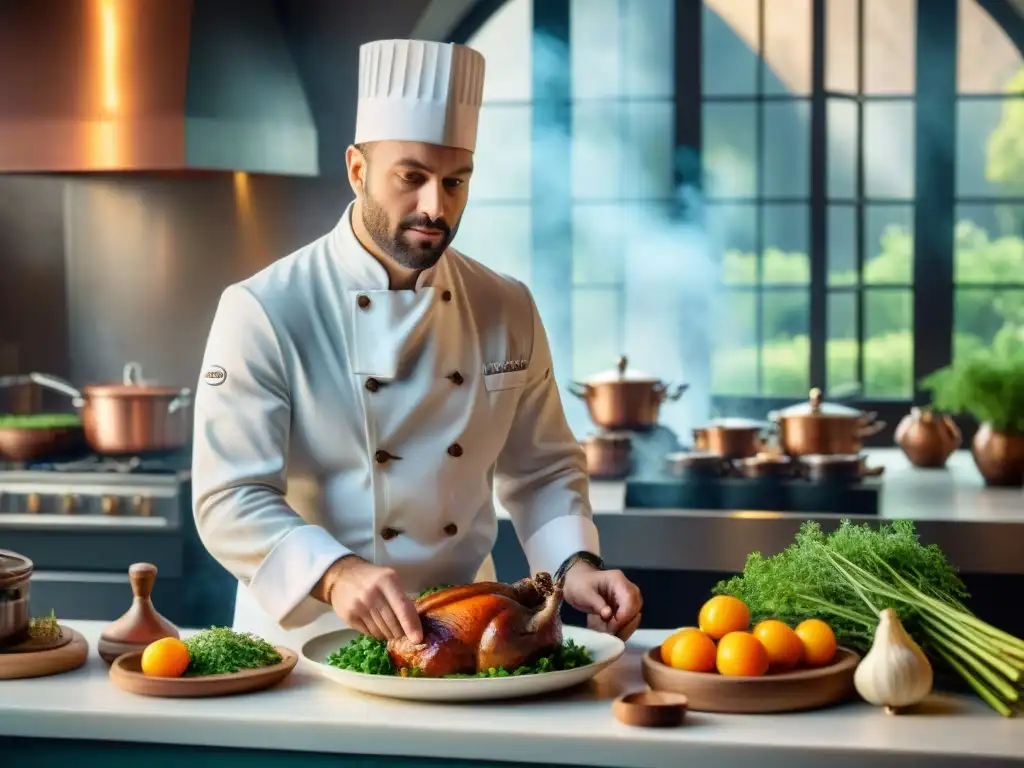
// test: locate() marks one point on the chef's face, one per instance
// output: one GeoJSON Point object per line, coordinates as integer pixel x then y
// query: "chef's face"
{"type": "Point", "coordinates": [411, 196]}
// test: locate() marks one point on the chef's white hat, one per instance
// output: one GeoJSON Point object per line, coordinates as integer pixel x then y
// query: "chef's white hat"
{"type": "Point", "coordinates": [415, 90]}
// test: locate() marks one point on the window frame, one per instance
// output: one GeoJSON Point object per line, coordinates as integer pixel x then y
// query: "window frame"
{"type": "Point", "coordinates": [935, 200]}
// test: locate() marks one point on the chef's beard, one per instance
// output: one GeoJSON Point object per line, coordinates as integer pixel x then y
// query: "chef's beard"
{"type": "Point", "coordinates": [392, 240]}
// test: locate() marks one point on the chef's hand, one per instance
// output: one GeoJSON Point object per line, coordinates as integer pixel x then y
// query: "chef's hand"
{"type": "Point", "coordinates": [370, 599]}
{"type": "Point", "coordinates": [609, 599]}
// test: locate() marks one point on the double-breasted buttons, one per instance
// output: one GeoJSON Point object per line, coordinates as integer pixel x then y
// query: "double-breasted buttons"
{"type": "Point", "coordinates": [372, 384]}
{"type": "Point", "coordinates": [455, 450]}
{"type": "Point", "coordinates": [383, 457]}
{"type": "Point", "coordinates": [387, 533]}
{"type": "Point", "coordinates": [446, 296]}
{"type": "Point", "coordinates": [451, 529]}
{"type": "Point", "coordinates": [455, 378]}
{"type": "Point", "coordinates": [363, 301]}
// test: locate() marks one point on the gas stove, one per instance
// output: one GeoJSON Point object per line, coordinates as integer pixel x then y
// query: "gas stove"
{"type": "Point", "coordinates": [94, 490]}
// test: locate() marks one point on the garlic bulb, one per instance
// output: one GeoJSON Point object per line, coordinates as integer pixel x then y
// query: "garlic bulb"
{"type": "Point", "coordinates": [895, 672]}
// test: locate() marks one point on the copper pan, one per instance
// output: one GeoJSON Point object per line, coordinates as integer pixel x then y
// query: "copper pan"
{"type": "Point", "coordinates": [130, 417]}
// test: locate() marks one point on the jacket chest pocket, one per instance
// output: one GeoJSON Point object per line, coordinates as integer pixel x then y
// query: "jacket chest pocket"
{"type": "Point", "coordinates": [502, 392]}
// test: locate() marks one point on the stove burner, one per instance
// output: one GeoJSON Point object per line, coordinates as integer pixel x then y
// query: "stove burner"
{"type": "Point", "coordinates": [155, 464]}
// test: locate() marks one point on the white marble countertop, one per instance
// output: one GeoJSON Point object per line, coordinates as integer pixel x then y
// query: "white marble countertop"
{"type": "Point", "coordinates": [311, 714]}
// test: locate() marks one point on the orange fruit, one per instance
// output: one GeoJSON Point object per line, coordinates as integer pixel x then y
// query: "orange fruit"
{"type": "Point", "coordinates": [819, 642]}
{"type": "Point", "coordinates": [670, 643]}
{"type": "Point", "coordinates": [693, 651]}
{"type": "Point", "coordinates": [167, 657]}
{"type": "Point", "coordinates": [784, 646]}
{"type": "Point", "coordinates": [740, 654]}
{"type": "Point", "coordinates": [723, 614]}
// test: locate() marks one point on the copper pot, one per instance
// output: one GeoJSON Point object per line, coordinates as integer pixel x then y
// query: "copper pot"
{"type": "Point", "coordinates": [625, 400]}
{"type": "Point", "coordinates": [731, 438]}
{"type": "Point", "coordinates": [999, 456]}
{"type": "Point", "coordinates": [15, 573]}
{"type": "Point", "coordinates": [817, 428]}
{"type": "Point", "coordinates": [609, 454]}
{"type": "Point", "coordinates": [132, 417]}
{"type": "Point", "coordinates": [928, 439]}
{"type": "Point", "coordinates": [29, 438]}
{"type": "Point", "coordinates": [836, 468]}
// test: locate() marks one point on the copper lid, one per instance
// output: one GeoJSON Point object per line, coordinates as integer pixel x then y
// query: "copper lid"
{"type": "Point", "coordinates": [13, 568]}
{"type": "Point", "coordinates": [132, 385]}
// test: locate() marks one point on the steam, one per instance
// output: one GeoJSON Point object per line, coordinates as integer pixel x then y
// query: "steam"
{"type": "Point", "coordinates": [662, 253]}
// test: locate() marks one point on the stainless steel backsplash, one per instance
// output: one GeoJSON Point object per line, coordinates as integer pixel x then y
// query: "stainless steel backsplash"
{"type": "Point", "coordinates": [100, 270]}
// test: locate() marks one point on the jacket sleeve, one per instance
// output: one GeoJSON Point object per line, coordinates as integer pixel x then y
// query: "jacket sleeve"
{"type": "Point", "coordinates": [239, 467]}
{"type": "Point", "coordinates": [540, 476]}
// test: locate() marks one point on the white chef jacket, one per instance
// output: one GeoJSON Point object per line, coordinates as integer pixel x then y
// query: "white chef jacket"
{"type": "Point", "coordinates": [335, 416]}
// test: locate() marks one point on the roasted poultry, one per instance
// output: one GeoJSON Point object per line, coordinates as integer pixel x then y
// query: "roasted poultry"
{"type": "Point", "coordinates": [481, 626]}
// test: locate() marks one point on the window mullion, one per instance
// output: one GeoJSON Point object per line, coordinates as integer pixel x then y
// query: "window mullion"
{"type": "Point", "coordinates": [819, 200]}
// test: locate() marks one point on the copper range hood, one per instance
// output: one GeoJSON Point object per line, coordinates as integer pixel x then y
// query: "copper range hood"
{"type": "Point", "coordinates": [151, 85]}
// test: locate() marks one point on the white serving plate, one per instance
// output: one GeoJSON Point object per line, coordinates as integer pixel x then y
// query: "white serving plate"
{"type": "Point", "coordinates": [605, 650]}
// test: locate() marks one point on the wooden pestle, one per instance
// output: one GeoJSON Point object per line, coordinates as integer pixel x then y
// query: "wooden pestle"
{"type": "Point", "coordinates": [141, 624]}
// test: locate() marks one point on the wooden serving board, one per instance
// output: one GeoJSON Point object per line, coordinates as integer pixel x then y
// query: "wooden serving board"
{"type": "Point", "coordinates": [801, 689]}
{"type": "Point", "coordinates": [126, 674]}
{"type": "Point", "coordinates": [34, 658]}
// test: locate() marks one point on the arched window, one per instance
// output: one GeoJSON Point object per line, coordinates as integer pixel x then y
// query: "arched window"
{"type": "Point", "coordinates": [826, 238]}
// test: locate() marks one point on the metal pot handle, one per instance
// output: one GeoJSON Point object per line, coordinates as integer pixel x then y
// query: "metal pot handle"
{"type": "Point", "coordinates": [871, 429]}
{"type": "Point", "coordinates": [582, 391]}
{"type": "Point", "coordinates": [131, 374]}
{"type": "Point", "coordinates": [183, 399]}
{"type": "Point", "coordinates": [872, 471]}
{"type": "Point", "coordinates": [58, 384]}
{"type": "Point", "coordinates": [671, 394]}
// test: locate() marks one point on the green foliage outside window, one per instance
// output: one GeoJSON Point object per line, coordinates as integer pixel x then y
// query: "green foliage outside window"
{"type": "Point", "coordinates": [983, 318]}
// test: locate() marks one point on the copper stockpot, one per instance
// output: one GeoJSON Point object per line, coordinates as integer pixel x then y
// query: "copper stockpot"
{"type": "Point", "coordinates": [731, 438]}
{"type": "Point", "coordinates": [817, 428]}
{"type": "Point", "coordinates": [609, 454]}
{"type": "Point", "coordinates": [625, 400]}
{"type": "Point", "coordinates": [132, 417]}
{"type": "Point", "coordinates": [927, 438]}
{"type": "Point", "coordinates": [999, 456]}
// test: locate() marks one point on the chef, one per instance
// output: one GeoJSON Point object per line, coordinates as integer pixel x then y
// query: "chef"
{"type": "Point", "coordinates": [362, 398]}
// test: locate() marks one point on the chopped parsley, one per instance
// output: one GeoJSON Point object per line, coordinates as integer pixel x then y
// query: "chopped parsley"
{"type": "Point", "coordinates": [222, 651]}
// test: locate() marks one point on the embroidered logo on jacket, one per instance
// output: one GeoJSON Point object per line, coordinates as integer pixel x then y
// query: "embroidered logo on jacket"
{"type": "Point", "coordinates": [507, 366]}
{"type": "Point", "coordinates": [214, 375]}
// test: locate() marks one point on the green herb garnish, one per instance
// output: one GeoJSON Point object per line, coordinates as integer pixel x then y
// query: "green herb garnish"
{"type": "Point", "coordinates": [45, 628]}
{"type": "Point", "coordinates": [432, 590]}
{"type": "Point", "coordinates": [222, 651]}
{"type": "Point", "coordinates": [370, 656]}
{"type": "Point", "coordinates": [849, 576]}
{"type": "Point", "coordinates": [39, 420]}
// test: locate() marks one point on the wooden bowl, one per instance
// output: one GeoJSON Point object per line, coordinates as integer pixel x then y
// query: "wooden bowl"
{"type": "Point", "coordinates": [650, 709]}
{"type": "Point", "coordinates": [801, 689]}
{"type": "Point", "coordinates": [126, 674]}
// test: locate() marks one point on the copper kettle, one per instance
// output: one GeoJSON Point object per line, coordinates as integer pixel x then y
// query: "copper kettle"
{"type": "Point", "coordinates": [928, 438]}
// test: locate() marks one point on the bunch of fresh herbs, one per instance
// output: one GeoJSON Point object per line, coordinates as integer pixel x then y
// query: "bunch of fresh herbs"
{"type": "Point", "coordinates": [989, 387]}
{"type": "Point", "coordinates": [222, 651]}
{"type": "Point", "coordinates": [849, 576]}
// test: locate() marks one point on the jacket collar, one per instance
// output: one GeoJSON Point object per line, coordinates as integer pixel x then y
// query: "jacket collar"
{"type": "Point", "coordinates": [362, 268]}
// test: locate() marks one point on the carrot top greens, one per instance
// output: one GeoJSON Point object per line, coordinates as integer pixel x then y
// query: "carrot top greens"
{"type": "Point", "coordinates": [849, 576]}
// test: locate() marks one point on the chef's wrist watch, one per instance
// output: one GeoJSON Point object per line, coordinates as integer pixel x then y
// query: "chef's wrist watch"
{"type": "Point", "coordinates": [576, 557]}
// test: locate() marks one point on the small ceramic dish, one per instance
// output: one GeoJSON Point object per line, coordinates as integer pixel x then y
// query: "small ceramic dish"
{"type": "Point", "coordinates": [651, 709]}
